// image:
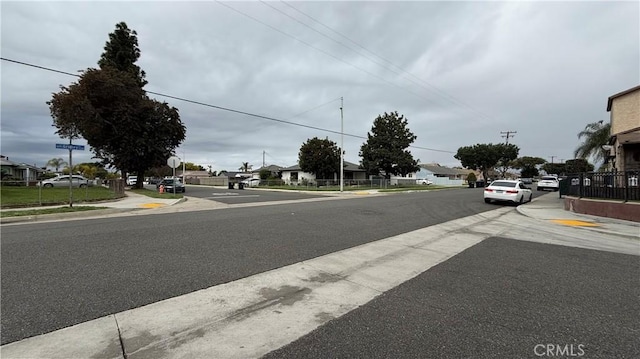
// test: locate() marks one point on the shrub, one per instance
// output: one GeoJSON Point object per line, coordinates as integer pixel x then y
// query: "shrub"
{"type": "Point", "coordinates": [471, 177]}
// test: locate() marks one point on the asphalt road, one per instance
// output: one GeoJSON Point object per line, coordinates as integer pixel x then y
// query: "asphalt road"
{"type": "Point", "coordinates": [237, 196]}
{"type": "Point", "coordinates": [58, 274]}
{"type": "Point", "coordinates": [502, 298]}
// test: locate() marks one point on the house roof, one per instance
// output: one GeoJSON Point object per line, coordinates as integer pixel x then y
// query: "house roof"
{"type": "Point", "coordinates": [625, 92]}
{"type": "Point", "coordinates": [4, 161]}
{"type": "Point", "coordinates": [272, 168]}
{"type": "Point", "coordinates": [436, 169]}
{"type": "Point", "coordinates": [348, 166]}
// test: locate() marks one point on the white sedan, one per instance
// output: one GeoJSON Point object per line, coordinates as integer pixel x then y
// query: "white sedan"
{"type": "Point", "coordinates": [424, 181]}
{"type": "Point", "coordinates": [507, 191]}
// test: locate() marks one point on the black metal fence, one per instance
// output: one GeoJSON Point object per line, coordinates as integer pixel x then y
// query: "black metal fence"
{"type": "Point", "coordinates": [605, 185]}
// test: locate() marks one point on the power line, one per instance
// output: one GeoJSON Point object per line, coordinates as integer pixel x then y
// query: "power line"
{"type": "Point", "coordinates": [327, 53]}
{"type": "Point", "coordinates": [222, 108]}
{"type": "Point", "coordinates": [441, 93]}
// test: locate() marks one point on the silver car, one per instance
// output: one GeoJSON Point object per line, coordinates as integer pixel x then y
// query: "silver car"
{"type": "Point", "coordinates": [63, 181]}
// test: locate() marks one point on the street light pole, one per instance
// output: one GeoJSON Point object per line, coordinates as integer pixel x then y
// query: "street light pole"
{"type": "Point", "coordinates": [71, 175]}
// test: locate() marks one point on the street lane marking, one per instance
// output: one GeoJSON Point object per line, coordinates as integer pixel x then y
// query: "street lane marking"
{"type": "Point", "coordinates": [575, 223]}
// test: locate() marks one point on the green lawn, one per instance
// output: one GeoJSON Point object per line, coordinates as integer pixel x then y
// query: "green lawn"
{"type": "Point", "coordinates": [15, 197]}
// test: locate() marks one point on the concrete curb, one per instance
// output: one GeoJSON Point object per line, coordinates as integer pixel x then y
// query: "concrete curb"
{"type": "Point", "coordinates": [54, 216]}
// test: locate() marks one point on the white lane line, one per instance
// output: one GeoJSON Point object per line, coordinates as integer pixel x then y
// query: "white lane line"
{"type": "Point", "coordinates": [252, 316]}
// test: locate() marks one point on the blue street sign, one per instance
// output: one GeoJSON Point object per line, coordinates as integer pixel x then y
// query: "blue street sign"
{"type": "Point", "coordinates": [66, 146]}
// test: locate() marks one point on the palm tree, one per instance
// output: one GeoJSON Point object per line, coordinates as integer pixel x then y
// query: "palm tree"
{"type": "Point", "coordinates": [56, 163]}
{"type": "Point", "coordinates": [595, 135]}
{"type": "Point", "coordinates": [246, 167]}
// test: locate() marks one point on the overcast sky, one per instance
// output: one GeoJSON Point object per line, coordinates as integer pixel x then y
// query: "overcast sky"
{"type": "Point", "coordinates": [460, 72]}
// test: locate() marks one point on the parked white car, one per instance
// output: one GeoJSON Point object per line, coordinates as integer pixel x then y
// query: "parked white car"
{"type": "Point", "coordinates": [507, 191]}
{"type": "Point", "coordinates": [63, 181]}
{"type": "Point", "coordinates": [548, 183]}
{"type": "Point", "coordinates": [251, 182]}
{"type": "Point", "coordinates": [424, 181]}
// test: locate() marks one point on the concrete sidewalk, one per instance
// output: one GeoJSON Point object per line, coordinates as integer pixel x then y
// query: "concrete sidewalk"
{"type": "Point", "coordinates": [549, 208]}
{"type": "Point", "coordinates": [130, 203]}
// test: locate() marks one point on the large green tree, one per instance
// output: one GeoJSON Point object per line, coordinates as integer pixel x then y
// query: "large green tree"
{"type": "Point", "coordinates": [578, 165]}
{"type": "Point", "coordinates": [595, 135]}
{"type": "Point", "coordinates": [554, 168]}
{"type": "Point", "coordinates": [484, 157]}
{"type": "Point", "coordinates": [528, 166]}
{"type": "Point", "coordinates": [190, 166]}
{"type": "Point", "coordinates": [108, 107]}
{"type": "Point", "coordinates": [320, 157]}
{"type": "Point", "coordinates": [122, 52]}
{"type": "Point", "coordinates": [386, 148]}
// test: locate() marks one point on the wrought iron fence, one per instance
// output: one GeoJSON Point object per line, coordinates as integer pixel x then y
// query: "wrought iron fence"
{"type": "Point", "coordinates": [606, 185]}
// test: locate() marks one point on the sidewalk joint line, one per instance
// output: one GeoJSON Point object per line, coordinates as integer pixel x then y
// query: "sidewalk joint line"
{"type": "Point", "coordinates": [124, 353]}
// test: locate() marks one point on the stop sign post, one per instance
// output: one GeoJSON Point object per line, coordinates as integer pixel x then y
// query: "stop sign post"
{"type": "Point", "coordinates": [173, 162]}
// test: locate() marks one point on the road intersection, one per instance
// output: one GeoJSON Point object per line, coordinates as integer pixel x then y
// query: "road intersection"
{"type": "Point", "coordinates": [351, 299]}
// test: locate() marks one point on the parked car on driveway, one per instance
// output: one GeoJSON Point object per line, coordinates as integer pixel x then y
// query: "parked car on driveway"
{"type": "Point", "coordinates": [507, 191]}
{"type": "Point", "coordinates": [548, 182]}
{"type": "Point", "coordinates": [168, 184]}
{"type": "Point", "coordinates": [63, 181]}
{"type": "Point", "coordinates": [424, 181]}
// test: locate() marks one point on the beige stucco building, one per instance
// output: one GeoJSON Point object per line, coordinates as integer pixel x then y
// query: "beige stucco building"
{"type": "Point", "coordinates": [625, 129]}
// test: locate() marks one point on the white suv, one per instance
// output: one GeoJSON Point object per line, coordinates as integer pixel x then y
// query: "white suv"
{"type": "Point", "coordinates": [132, 180]}
{"type": "Point", "coordinates": [548, 182]}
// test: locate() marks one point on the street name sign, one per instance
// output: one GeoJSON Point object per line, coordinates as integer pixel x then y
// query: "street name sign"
{"type": "Point", "coordinates": [67, 146]}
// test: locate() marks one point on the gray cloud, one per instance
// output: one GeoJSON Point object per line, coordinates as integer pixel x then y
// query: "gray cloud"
{"type": "Point", "coordinates": [461, 72]}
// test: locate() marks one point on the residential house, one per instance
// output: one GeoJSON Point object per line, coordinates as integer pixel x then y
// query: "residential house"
{"type": "Point", "coordinates": [192, 177]}
{"type": "Point", "coordinates": [294, 174]}
{"type": "Point", "coordinates": [20, 172]}
{"type": "Point", "coordinates": [625, 129]}
{"type": "Point", "coordinates": [273, 169]}
{"type": "Point", "coordinates": [439, 175]}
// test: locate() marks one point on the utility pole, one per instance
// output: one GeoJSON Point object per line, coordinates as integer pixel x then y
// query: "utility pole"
{"type": "Point", "coordinates": [552, 157]}
{"type": "Point", "coordinates": [341, 147]}
{"type": "Point", "coordinates": [507, 134]}
{"type": "Point", "coordinates": [263, 152]}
